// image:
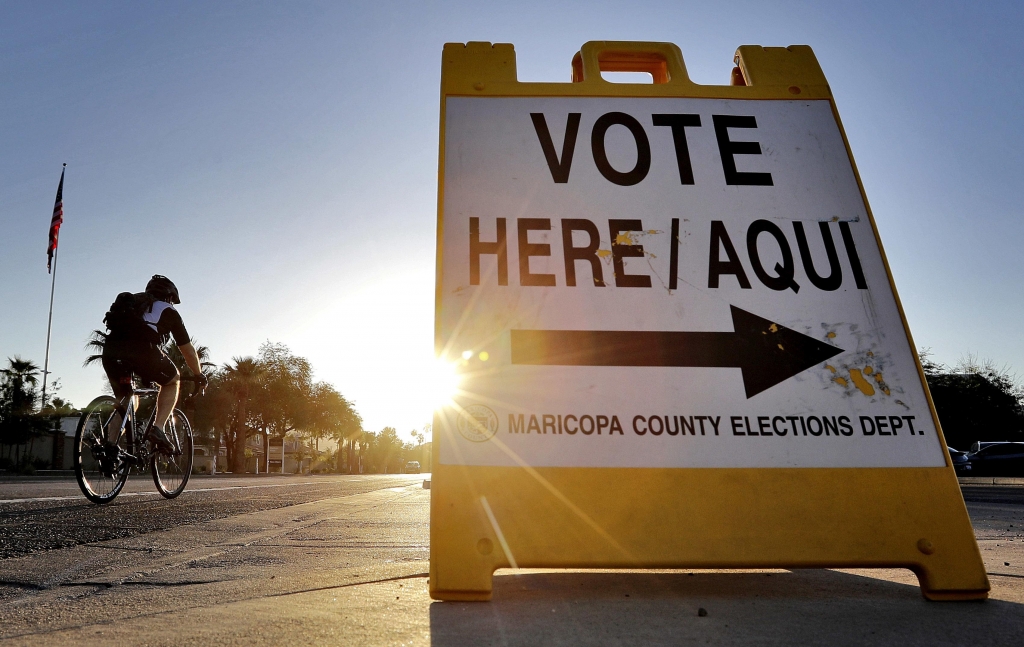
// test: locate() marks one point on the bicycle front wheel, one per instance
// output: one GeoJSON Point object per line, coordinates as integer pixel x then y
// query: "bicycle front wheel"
{"type": "Point", "coordinates": [100, 474]}
{"type": "Point", "coordinates": [171, 471]}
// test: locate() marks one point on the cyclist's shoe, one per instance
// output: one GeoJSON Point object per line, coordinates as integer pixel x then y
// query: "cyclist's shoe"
{"type": "Point", "coordinates": [159, 439]}
{"type": "Point", "coordinates": [107, 456]}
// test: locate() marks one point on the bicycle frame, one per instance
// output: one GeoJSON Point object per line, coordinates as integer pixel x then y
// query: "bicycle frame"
{"type": "Point", "coordinates": [127, 407]}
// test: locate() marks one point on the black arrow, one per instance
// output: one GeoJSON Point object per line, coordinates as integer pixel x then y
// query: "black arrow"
{"type": "Point", "coordinates": [766, 352]}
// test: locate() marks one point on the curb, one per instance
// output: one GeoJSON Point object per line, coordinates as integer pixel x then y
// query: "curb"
{"type": "Point", "coordinates": [990, 480]}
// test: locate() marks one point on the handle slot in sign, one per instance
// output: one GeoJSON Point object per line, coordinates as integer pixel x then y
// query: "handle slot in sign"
{"type": "Point", "coordinates": [663, 61]}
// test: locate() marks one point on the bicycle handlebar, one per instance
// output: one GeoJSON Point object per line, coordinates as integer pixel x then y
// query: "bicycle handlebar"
{"type": "Point", "coordinates": [196, 391]}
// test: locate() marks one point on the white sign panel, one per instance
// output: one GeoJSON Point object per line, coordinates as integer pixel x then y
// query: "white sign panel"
{"type": "Point", "coordinates": [668, 283]}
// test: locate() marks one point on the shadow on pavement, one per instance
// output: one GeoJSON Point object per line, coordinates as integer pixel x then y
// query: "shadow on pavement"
{"type": "Point", "coordinates": [804, 607]}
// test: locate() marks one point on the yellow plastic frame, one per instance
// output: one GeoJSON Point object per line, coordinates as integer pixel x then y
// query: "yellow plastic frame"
{"type": "Point", "coordinates": [685, 518]}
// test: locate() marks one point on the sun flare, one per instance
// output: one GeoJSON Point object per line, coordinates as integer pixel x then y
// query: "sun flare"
{"type": "Point", "coordinates": [443, 383]}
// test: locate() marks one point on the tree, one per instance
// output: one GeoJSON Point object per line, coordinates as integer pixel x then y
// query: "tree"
{"type": "Point", "coordinates": [332, 416]}
{"type": "Point", "coordinates": [274, 394]}
{"type": "Point", "coordinates": [59, 407]}
{"type": "Point", "coordinates": [975, 400]}
{"type": "Point", "coordinates": [20, 372]}
{"type": "Point", "coordinates": [214, 412]}
{"type": "Point", "coordinates": [422, 450]}
{"type": "Point", "coordinates": [203, 352]}
{"type": "Point", "coordinates": [241, 380]}
{"type": "Point", "coordinates": [179, 360]}
{"type": "Point", "coordinates": [384, 451]}
{"type": "Point", "coordinates": [96, 341]}
{"type": "Point", "coordinates": [19, 422]}
{"type": "Point", "coordinates": [283, 401]}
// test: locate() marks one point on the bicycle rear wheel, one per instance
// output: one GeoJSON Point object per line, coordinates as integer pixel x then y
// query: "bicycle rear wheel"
{"type": "Point", "coordinates": [100, 477]}
{"type": "Point", "coordinates": [171, 472]}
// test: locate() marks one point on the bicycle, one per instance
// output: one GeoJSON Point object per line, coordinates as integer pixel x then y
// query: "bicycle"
{"type": "Point", "coordinates": [101, 476]}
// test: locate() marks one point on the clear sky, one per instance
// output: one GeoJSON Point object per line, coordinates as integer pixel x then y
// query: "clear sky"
{"type": "Point", "coordinates": [279, 162]}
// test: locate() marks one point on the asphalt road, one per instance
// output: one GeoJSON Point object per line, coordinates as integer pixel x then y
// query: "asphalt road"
{"type": "Point", "coordinates": [44, 513]}
{"type": "Point", "coordinates": [1005, 494]}
{"type": "Point", "coordinates": [344, 559]}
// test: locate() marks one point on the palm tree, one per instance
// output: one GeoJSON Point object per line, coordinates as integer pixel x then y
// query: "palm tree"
{"type": "Point", "coordinates": [202, 351]}
{"type": "Point", "coordinates": [18, 422]}
{"type": "Point", "coordinates": [59, 407]}
{"type": "Point", "coordinates": [96, 342]}
{"type": "Point", "coordinates": [179, 361]}
{"type": "Point", "coordinates": [241, 378]}
{"type": "Point", "coordinates": [20, 372]}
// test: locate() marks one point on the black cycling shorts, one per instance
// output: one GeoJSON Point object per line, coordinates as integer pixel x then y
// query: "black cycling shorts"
{"type": "Point", "coordinates": [146, 361]}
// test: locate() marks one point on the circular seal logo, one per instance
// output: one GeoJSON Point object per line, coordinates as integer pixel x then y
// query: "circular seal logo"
{"type": "Point", "coordinates": [477, 423]}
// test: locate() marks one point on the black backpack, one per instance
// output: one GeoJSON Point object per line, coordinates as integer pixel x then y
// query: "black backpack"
{"type": "Point", "coordinates": [125, 320]}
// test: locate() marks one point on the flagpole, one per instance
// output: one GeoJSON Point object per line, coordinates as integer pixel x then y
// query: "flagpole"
{"type": "Point", "coordinates": [53, 284]}
{"type": "Point", "coordinates": [49, 325]}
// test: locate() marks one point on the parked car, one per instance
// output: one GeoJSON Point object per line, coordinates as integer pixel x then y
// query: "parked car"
{"type": "Point", "coordinates": [998, 459]}
{"type": "Point", "coordinates": [978, 446]}
{"type": "Point", "coordinates": [961, 464]}
{"type": "Point", "coordinates": [412, 467]}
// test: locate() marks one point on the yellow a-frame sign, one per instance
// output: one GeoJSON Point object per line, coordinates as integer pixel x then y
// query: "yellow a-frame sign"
{"type": "Point", "coordinates": [679, 339]}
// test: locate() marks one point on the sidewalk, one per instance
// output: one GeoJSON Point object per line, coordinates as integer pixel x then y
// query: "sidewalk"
{"type": "Point", "coordinates": [352, 571]}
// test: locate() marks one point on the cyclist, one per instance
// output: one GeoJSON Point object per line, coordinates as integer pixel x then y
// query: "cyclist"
{"type": "Point", "coordinates": [135, 349]}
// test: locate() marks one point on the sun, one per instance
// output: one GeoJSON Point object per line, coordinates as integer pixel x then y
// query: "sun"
{"type": "Point", "coordinates": [442, 383]}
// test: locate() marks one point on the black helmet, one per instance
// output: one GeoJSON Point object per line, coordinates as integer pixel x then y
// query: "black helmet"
{"type": "Point", "coordinates": [162, 288]}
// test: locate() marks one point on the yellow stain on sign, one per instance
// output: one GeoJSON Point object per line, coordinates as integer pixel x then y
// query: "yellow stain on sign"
{"type": "Point", "coordinates": [484, 517]}
{"type": "Point", "coordinates": [862, 385]}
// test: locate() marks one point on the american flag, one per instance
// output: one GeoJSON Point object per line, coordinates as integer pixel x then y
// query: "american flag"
{"type": "Point", "coordinates": [55, 222]}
